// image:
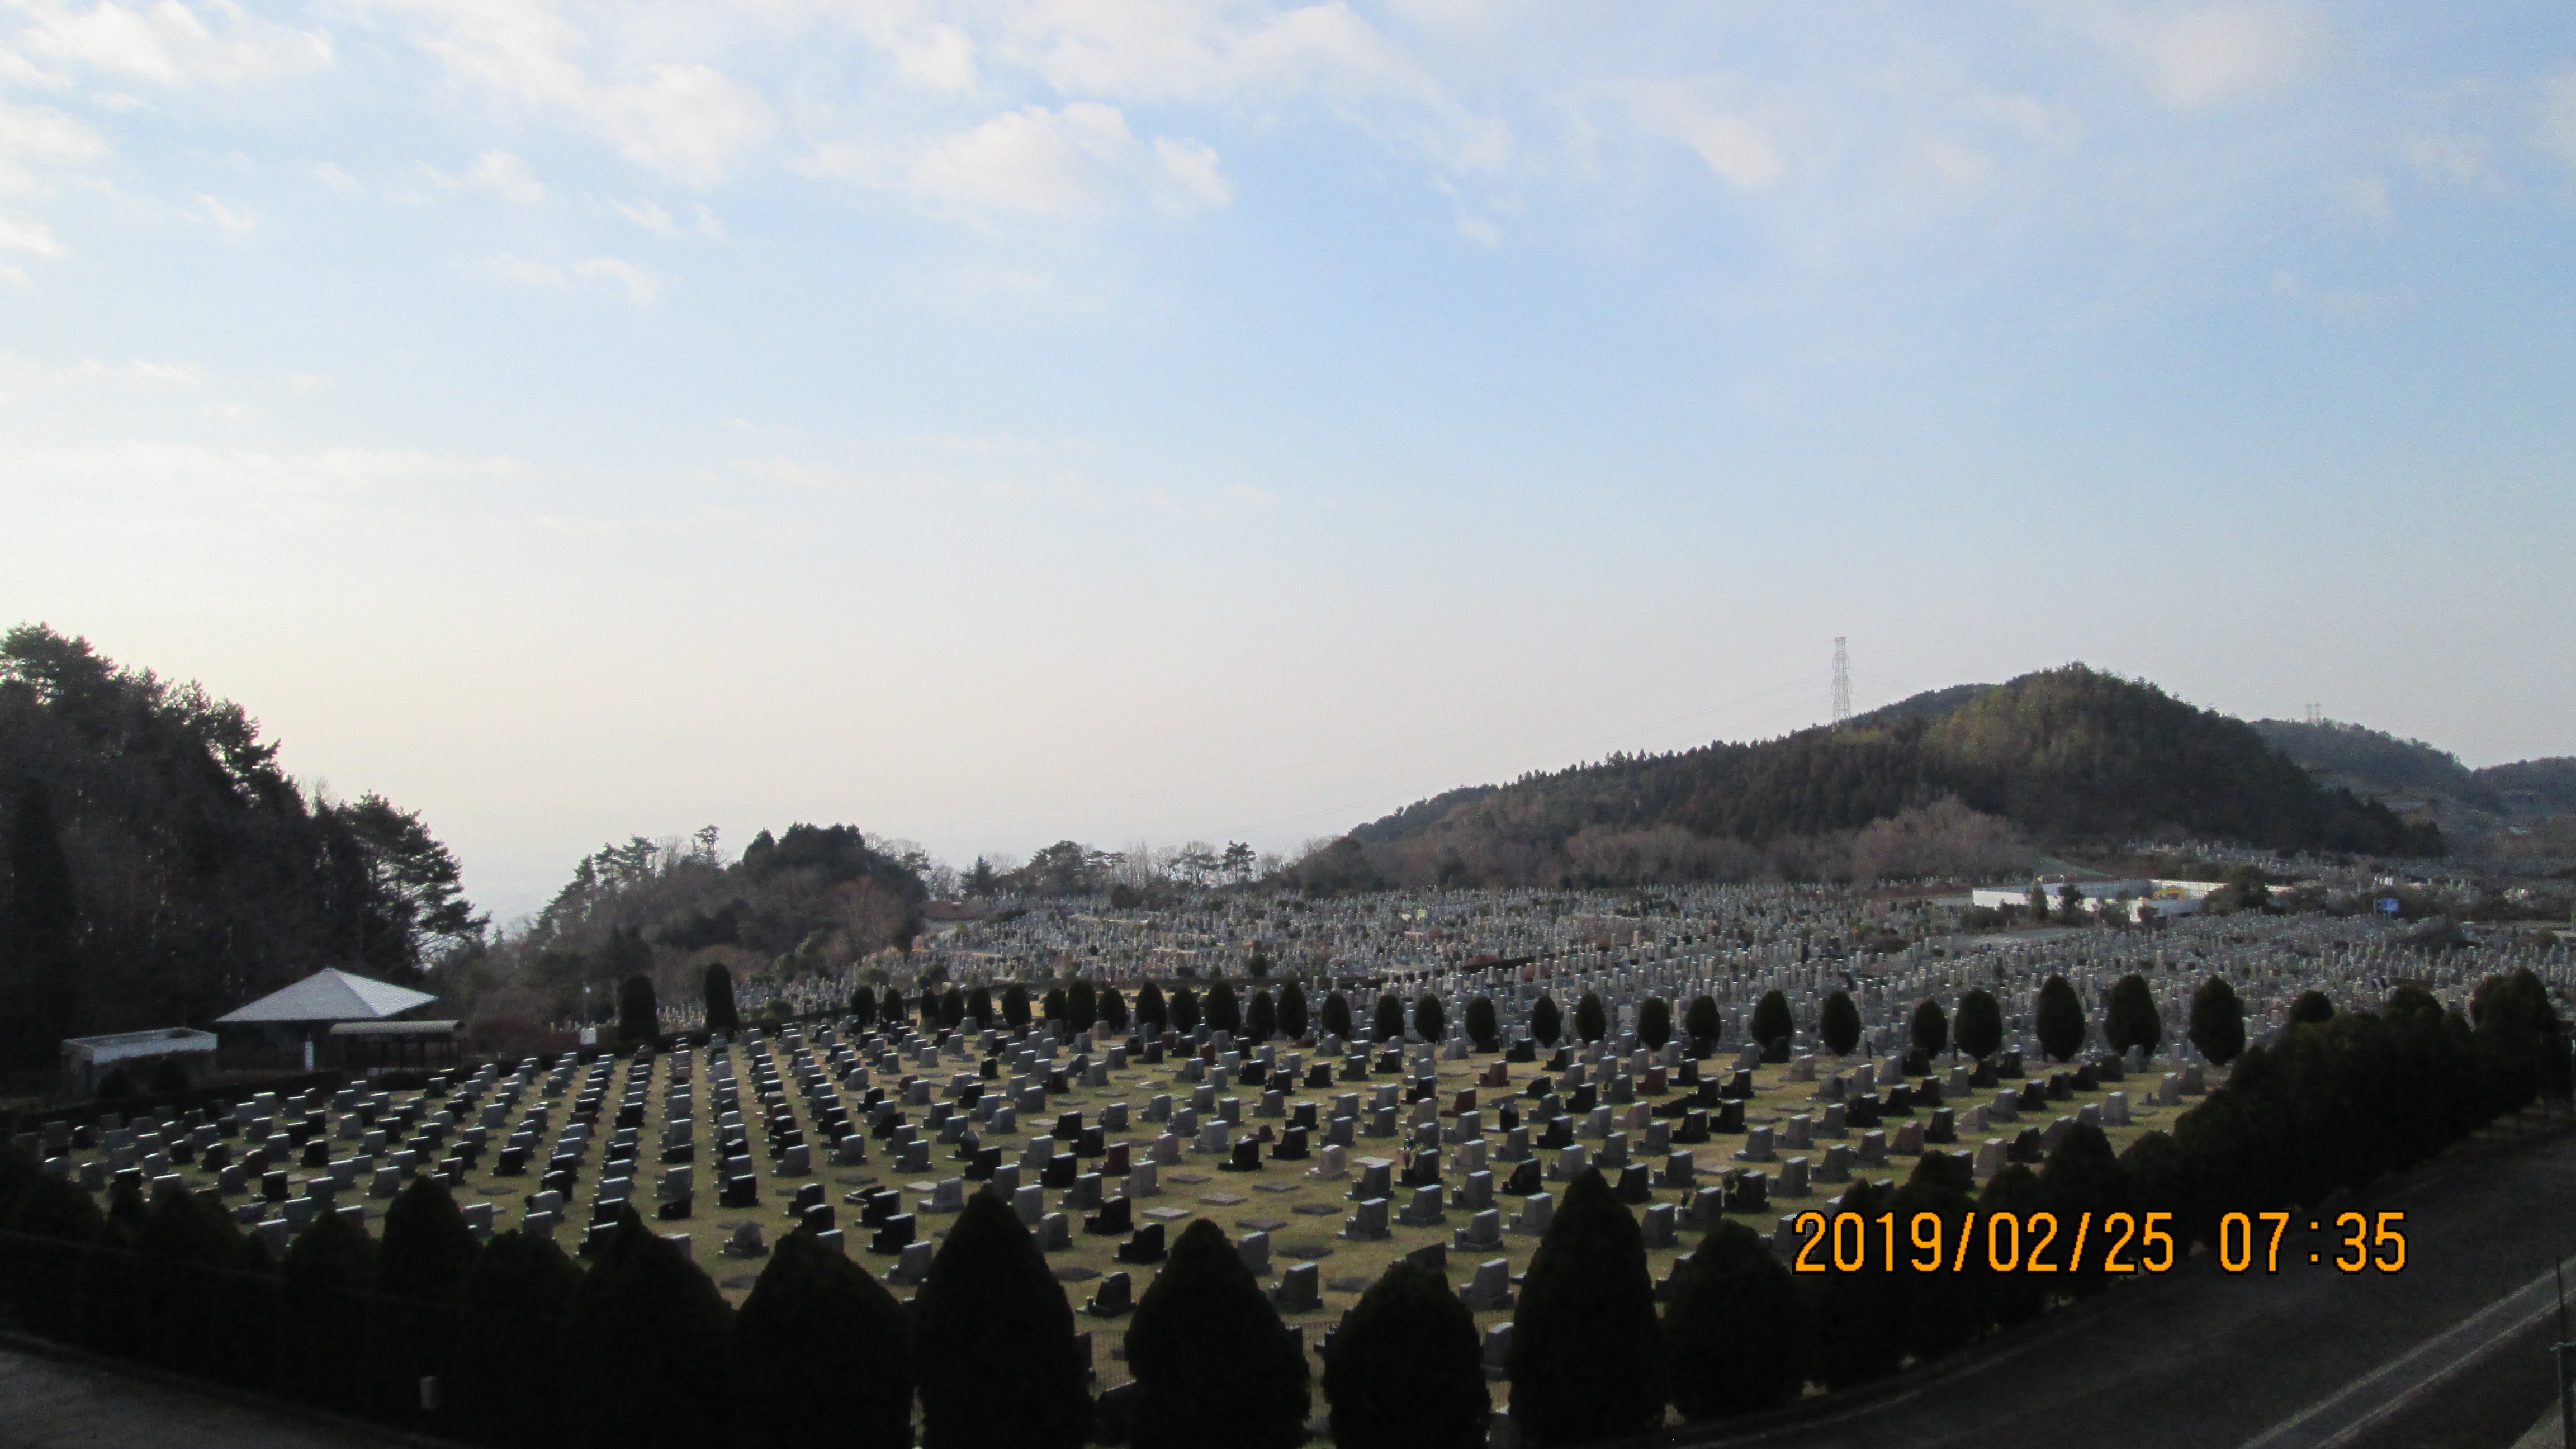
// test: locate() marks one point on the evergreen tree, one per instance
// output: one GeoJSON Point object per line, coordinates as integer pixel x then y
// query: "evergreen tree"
{"type": "Point", "coordinates": [648, 1355]}
{"type": "Point", "coordinates": [721, 1014]}
{"type": "Point", "coordinates": [1590, 1022]}
{"type": "Point", "coordinates": [1481, 1026]}
{"type": "Point", "coordinates": [1930, 1029]}
{"type": "Point", "coordinates": [892, 1011]}
{"type": "Point", "coordinates": [1081, 1006]}
{"type": "Point", "coordinates": [1185, 1010]}
{"type": "Point", "coordinates": [822, 1353]}
{"type": "Point", "coordinates": [1113, 1011]}
{"type": "Point", "coordinates": [328, 1271]}
{"type": "Point", "coordinates": [1838, 1024]}
{"type": "Point", "coordinates": [509, 1359]}
{"type": "Point", "coordinates": [250, 1351]}
{"type": "Point", "coordinates": [1337, 1014]}
{"type": "Point", "coordinates": [1404, 1370]}
{"type": "Point", "coordinates": [1151, 1014]}
{"type": "Point", "coordinates": [1703, 1024]}
{"type": "Point", "coordinates": [1860, 1316]}
{"type": "Point", "coordinates": [639, 1016]}
{"type": "Point", "coordinates": [1052, 1006]}
{"type": "Point", "coordinates": [186, 1248]}
{"type": "Point", "coordinates": [1739, 1331]}
{"type": "Point", "coordinates": [39, 918]}
{"type": "Point", "coordinates": [1772, 1027]}
{"type": "Point", "coordinates": [57, 1241]}
{"type": "Point", "coordinates": [863, 1006]}
{"type": "Point", "coordinates": [1546, 1022]}
{"type": "Point", "coordinates": [1015, 1006]}
{"type": "Point", "coordinates": [1655, 1023]}
{"type": "Point", "coordinates": [2217, 1021]}
{"type": "Point", "coordinates": [2310, 1008]}
{"type": "Point", "coordinates": [1930, 1306]}
{"type": "Point", "coordinates": [1390, 1017]}
{"type": "Point", "coordinates": [1587, 1359]}
{"type": "Point", "coordinates": [979, 1004]}
{"type": "Point", "coordinates": [1429, 1021]}
{"type": "Point", "coordinates": [2011, 1297]}
{"type": "Point", "coordinates": [2060, 1019]}
{"type": "Point", "coordinates": [421, 1266]}
{"type": "Point", "coordinates": [2084, 1176]}
{"type": "Point", "coordinates": [952, 1007]}
{"type": "Point", "coordinates": [1979, 1026]}
{"type": "Point", "coordinates": [1221, 1009]}
{"type": "Point", "coordinates": [990, 1299]}
{"type": "Point", "coordinates": [1213, 1363]}
{"type": "Point", "coordinates": [1294, 1018]}
{"type": "Point", "coordinates": [1261, 1017]}
{"type": "Point", "coordinates": [2130, 1019]}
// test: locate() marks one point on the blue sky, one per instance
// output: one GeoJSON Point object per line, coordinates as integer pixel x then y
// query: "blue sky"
{"type": "Point", "coordinates": [1156, 419]}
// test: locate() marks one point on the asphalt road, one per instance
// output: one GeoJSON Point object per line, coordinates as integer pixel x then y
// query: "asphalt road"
{"type": "Point", "coordinates": [2450, 1351]}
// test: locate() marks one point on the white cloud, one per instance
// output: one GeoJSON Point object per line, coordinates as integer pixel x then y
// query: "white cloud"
{"type": "Point", "coordinates": [1079, 161]}
{"type": "Point", "coordinates": [234, 218]}
{"type": "Point", "coordinates": [2558, 116]}
{"type": "Point", "coordinates": [34, 137]}
{"type": "Point", "coordinates": [498, 172]}
{"type": "Point", "coordinates": [331, 175]}
{"type": "Point", "coordinates": [612, 275]}
{"type": "Point", "coordinates": [1695, 112]}
{"type": "Point", "coordinates": [2451, 158]}
{"type": "Point", "coordinates": [172, 42]}
{"type": "Point", "coordinates": [2212, 55]}
{"type": "Point", "coordinates": [648, 215]}
{"type": "Point", "coordinates": [27, 372]}
{"type": "Point", "coordinates": [20, 232]}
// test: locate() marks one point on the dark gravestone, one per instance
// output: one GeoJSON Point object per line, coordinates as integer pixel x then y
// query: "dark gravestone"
{"type": "Point", "coordinates": [1144, 1246]}
{"type": "Point", "coordinates": [1527, 1177]}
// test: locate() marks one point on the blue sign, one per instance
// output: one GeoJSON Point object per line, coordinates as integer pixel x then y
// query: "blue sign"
{"type": "Point", "coordinates": [2391, 904]}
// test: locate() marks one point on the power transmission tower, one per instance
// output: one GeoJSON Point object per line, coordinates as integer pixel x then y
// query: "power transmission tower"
{"type": "Point", "coordinates": [1842, 681]}
{"type": "Point", "coordinates": [2316, 714]}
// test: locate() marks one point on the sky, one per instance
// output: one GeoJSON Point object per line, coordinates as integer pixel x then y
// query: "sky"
{"type": "Point", "coordinates": [993, 423]}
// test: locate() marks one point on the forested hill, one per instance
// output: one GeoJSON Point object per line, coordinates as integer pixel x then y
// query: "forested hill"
{"type": "Point", "coordinates": [2069, 753]}
{"type": "Point", "coordinates": [2372, 762]}
{"type": "Point", "coordinates": [157, 867]}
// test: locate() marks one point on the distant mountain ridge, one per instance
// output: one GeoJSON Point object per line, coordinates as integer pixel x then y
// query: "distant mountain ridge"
{"type": "Point", "coordinates": [2071, 753]}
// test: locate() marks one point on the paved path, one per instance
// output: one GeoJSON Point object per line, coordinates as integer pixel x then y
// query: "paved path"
{"type": "Point", "coordinates": [2452, 1350]}
{"type": "Point", "coordinates": [53, 1403]}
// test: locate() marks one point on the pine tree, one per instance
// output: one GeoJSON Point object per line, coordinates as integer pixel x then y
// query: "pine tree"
{"type": "Point", "coordinates": [1481, 1026]}
{"type": "Point", "coordinates": [1590, 1022]}
{"type": "Point", "coordinates": [639, 1016]}
{"type": "Point", "coordinates": [1838, 1024]}
{"type": "Point", "coordinates": [823, 1353]}
{"type": "Point", "coordinates": [1979, 1026]}
{"type": "Point", "coordinates": [2217, 1021]}
{"type": "Point", "coordinates": [1429, 1021]}
{"type": "Point", "coordinates": [1213, 1363]}
{"type": "Point", "coordinates": [1587, 1358]}
{"type": "Point", "coordinates": [990, 1299]}
{"type": "Point", "coordinates": [2130, 1018]}
{"type": "Point", "coordinates": [1655, 1023]}
{"type": "Point", "coordinates": [2059, 1017]}
{"type": "Point", "coordinates": [1930, 1029]}
{"type": "Point", "coordinates": [1337, 1015]}
{"type": "Point", "coordinates": [648, 1354]}
{"type": "Point", "coordinates": [721, 1014]}
{"type": "Point", "coordinates": [509, 1358]}
{"type": "Point", "coordinates": [1703, 1023]}
{"type": "Point", "coordinates": [1547, 1023]}
{"type": "Point", "coordinates": [1404, 1370]}
{"type": "Point", "coordinates": [1389, 1021]}
{"type": "Point", "coordinates": [1739, 1331]}
{"type": "Point", "coordinates": [421, 1267]}
{"type": "Point", "coordinates": [1294, 1017]}
{"type": "Point", "coordinates": [1772, 1027]}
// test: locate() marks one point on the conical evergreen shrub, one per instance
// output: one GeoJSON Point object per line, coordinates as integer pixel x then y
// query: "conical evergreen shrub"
{"type": "Point", "coordinates": [2129, 1018]}
{"type": "Point", "coordinates": [1587, 1359]}
{"type": "Point", "coordinates": [1151, 1014]}
{"type": "Point", "coordinates": [1547, 1022]}
{"type": "Point", "coordinates": [330, 1274]}
{"type": "Point", "coordinates": [1388, 1020]}
{"type": "Point", "coordinates": [1213, 1363]}
{"type": "Point", "coordinates": [1930, 1030]}
{"type": "Point", "coordinates": [1222, 1011]}
{"type": "Point", "coordinates": [1430, 1022]}
{"type": "Point", "coordinates": [187, 1248]}
{"type": "Point", "coordinates": [1838, 1024]}
{"type": "Point", "coordinates": [1704, 1024]}
{"type": "Point", "coordinates": [1772, 1026]}
{"type": "Point", "coordinates": [421, 1266]}
{"type": "Point", "coordinates": [519, 1300]}
{"type": "Point", "coordinates": [1404, 1370]}
{"type": "Point", "coordinates": [2059, 1016]}
{"type": "Point", "coordinates": [990, 1299]}
{"type": "Point", "coordinates": [1591, 1023]}
{"type": "Point", "coordinates": [1655, 1023]}
{"type": "Point", "coordinates": [647, 1359]}
{"type": "Point", "coordinates": [1184, 1009]}
{"type": "Point", "coordinates": [1739, 1331]}
{"type": "Point", "coordinates": [1261, 1017]}
{"type": "Point", "coordinates": [2218, 1021]}
{"type": "Point", "coordinates": [1336, 1016]}
{"type": "Point", "coordinates": [1294, 1016]}
{"type": "Point", "coordinates": [1481, 1026]}
{"type": "Point", "coordinates": [1979, 1026]}
{"type": "Point", "coordinates": [721, 1012]}
{"type": "Point", "coordinates": [823, 1353]}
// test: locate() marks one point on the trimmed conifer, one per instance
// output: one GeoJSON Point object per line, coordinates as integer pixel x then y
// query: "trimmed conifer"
{"type": "Point", "coordinates": [822, 1352]}
{"type": "Point", "coordinates": [1838, 1024]}
{"type": "Point", "coordinates": [722, 1015]}
{"type": "Point", "coordinates": [1739, 1331]}
{"type": "Point", "coordinates": [187, 1246]}
{"type": "Point", "coordinates": [1430, 1022]}
{"type": "Point", "coordinates": [2009, 1297]}
{"type": "Point", "coordinates": [639, 1016]}
{"type": "Point", "coordinates": [1081, 1006]}
{"type": "Point", "coordinates": [2059, 1017]}
{"type": "Point", "coordinates": [863, 1006]}
{"type": "Point", "coordinates": [648, 1355]}
{"type": "Point", "coordinates": [1704, 1023]}
{"type": "Point", "coordinates": [1260, 1016]}
{"type": "Point", "coordinates": [2310, 1008]}
{"type": "Point", "coordinates": [1151, 1013]}
{"type": "Point", "coordinates": [251, 1350]}
{"type": "Point", "coordinates": [2130, 1018]}
{"type": "Point", "coordinates": [421, 1266]}
{"type": "Point", "coordinates": [1184, 1008]}
{"type": "Point", "coordinates": [1587, 1358]}
{"type": "Point", "coordinates": [979, 1004]}
{"type": "Point", "coordinates": [2217, 1021]}
{"type": "Point", "coordinates": [1053, 1006]}
{"type": "Point", "coordinates": [2084, 1176]}
{"type": "Point", "coordinates": [1655, 1023]}
{"type": "Point", "coordinates": [1547, 1023]}
{"type": "Point", "coordinates": [518, 1302]}
{"type": "Point", "coordinates": [56, 1247]}
{"type": "Point", "coordinates": [1221, 1008]}
{"type": "Point", "coordinates": [1979, 1026]}
{"type": "Point", "coordinates": [1481, 1025]}
{"type": "Point", "coordinates": [1860, 1316]}
{"type": "Point", "coordinates": [1113, 1011]}
{"type": "Point", "coordinates": [1213, 1363]}
{"type": "Point", "coordinates": [1294, 1017]}
{"type": "Point", "coordinates": [1930, 1029]}
{"type": "Point", "coordinates": [1337, 1014]}
{"type": "Point", "coordinates": [1404, 1370]}
{"type": "Point", "coordinates": [330, 1269]}
{"type": "Point", "coordinates": [1015, 1006]}
{"type": "Point", "coordinates": [1389, 1017]}
{"type": "Point", "coordinates": [1591, 1023]}
{"type": "Point", "coordinates": [1772, 1026]}
{"type": "Point", "coordinates": [990, 1299]}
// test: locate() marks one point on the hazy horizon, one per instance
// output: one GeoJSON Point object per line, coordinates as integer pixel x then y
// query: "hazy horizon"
{"type": "Point", "coordinates": [992, 423]}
